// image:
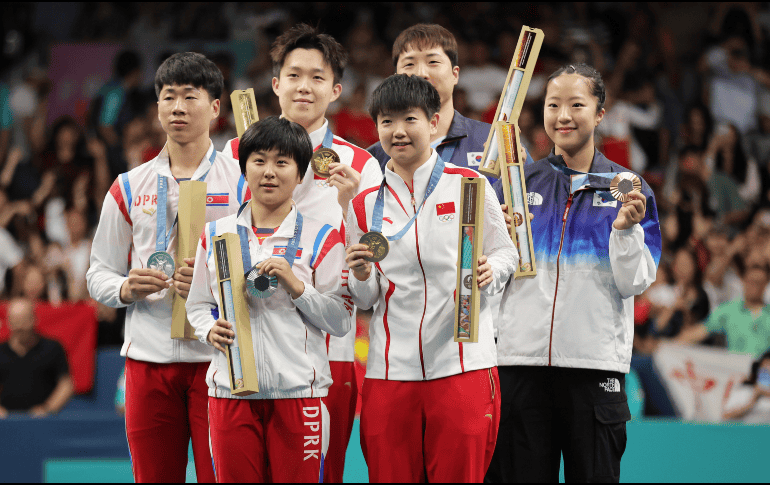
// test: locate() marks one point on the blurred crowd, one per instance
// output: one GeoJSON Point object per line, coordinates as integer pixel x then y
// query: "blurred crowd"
{"type": "Point", "coordinates": [688, 106]}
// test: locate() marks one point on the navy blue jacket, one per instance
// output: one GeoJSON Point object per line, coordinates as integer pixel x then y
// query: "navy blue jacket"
{"type": "Point", "coordinates": [467, 136]}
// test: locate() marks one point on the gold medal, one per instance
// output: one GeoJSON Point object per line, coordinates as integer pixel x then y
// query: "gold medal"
{"type": "Point", "coordinates": [322, 158]}
{"type": "Point", "coordinates": [377, 244]}
{"type": "Point", "coordinates": [623, 184]}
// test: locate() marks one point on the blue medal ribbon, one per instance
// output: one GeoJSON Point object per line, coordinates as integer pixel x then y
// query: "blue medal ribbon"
{"type": "Point", "coordinates": [598, 181]}
{"type": "Point", "coordinates": [328, 138]}
{"type": "Point", "coordinates": [291, 247]}
{"type": "Point", "coordinates": [162, 237]}
{"type": "Point", "coordinates": [379, 204]}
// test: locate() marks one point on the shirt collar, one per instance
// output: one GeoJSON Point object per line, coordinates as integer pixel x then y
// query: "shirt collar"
{"type": "Point", "coordinates": [286, 229]}
{"type": "Point", "coordinates": [317, 137]}
{"type": "Point", "coordinates": [162, 165]}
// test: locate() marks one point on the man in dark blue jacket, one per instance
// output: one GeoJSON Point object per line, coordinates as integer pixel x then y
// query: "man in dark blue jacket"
{"type": "Point", "coordinates": [430, 51]}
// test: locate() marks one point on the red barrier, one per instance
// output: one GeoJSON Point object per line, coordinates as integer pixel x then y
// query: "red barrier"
{"type": "Point", "coordinates": [74, 326]}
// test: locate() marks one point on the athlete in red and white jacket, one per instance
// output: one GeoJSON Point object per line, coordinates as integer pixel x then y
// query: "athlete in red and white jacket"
{"type": "Point", "coordinates": [125, 238]}
{"type": "Point", "coordinates": [414, 285]}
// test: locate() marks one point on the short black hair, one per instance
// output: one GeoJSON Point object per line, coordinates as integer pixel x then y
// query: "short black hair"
{"type": "Point", "coordinates": [588, 72]}
{"type": "Point", "coordinates": [273, 132]}
{"type": "Point", "coordinates": [190, 68]}
{"type": "Point", "coordinates": [303, 36]}
{"type": "Point", "coordinates": [401, 92]}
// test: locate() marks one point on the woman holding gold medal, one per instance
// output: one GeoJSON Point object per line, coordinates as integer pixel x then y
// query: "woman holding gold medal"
{"type": "Point", "coordinates": [429, 403]}
{"type": "Point", "coordinates": [565, 335]}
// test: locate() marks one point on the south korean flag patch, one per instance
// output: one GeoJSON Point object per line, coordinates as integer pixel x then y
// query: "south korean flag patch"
{"type": "Point", "coordinates": [600, 202]}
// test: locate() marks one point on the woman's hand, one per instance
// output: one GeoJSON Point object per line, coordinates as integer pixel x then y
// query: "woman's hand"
{"type": "Point", "coordinates": [360, 267]}
{"type": "Point", "coordinates": [280, 268]}
{"type": "Point", "coordinates": [221, 335]}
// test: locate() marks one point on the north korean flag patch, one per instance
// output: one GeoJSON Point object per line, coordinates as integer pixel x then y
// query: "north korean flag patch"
{"type": "Point", "coordinates": [445, 211]}
{"type": "Point", "coordinates": [281, 251]}
{"type": "Point", "coordinates": [218, 200]}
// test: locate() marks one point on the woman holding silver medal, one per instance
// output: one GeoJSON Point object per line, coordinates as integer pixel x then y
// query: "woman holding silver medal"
{"type": "Point", "coordinates": [280, 433]}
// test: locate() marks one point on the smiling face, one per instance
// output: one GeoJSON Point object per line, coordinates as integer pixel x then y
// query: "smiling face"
{"type": "Point", "coordinates": [432, 65]}
{"type": "Point", "coordinates": [570, 114]}
{"type": "Point", "coordinates": [405, 136]}
{"type": "Point", "coordinates": [305, 88]}
{"type": "Point", "coordinates": [185, 112]}
{"type": "Point", "coordinates": [271, 177]}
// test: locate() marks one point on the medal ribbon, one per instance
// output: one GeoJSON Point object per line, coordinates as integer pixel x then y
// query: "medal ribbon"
{"type": "Point", "coordinates": [379, 204]}
{"type": "Point", "coordinates": [162, 237]}
{"type": "Point", "coordinates": [598, 181]}
{"type": "Point", "coordinates": [328, 138]}
{"type": "Point", "coordinates": [291, 247]}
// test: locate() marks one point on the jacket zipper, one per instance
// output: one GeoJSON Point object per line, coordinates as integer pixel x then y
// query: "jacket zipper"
{"type": "Point", "coordinates": [558, 258]}
{"type": "Point", "coordinates": [424, 279]}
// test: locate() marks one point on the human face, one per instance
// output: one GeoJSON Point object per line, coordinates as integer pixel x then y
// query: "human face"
{"type": "Point", "coordinates": [185, 112]}
{"type": "Point", "coordinates": [754, 283]}
{"type": "Point", "coordinates": [570, 115]}
{"type": "Point", "coordinates": [405, 136]}
{"type": "Point", "coordinates": [271, 177]}
{"type": "Point", "coordinates": [684, 267]}
{"type": "Point", "coordinates": [434, 66]}
{"type": "Point", "coordinates": [305, 88]}
{"type": "Point", "coordinates": [21, 319]}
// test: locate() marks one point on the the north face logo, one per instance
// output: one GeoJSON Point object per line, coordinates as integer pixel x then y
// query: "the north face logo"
{"type": "Point", "coordinates": [612, 385]}
{"type": "Point", "coordinates": [533, 198]}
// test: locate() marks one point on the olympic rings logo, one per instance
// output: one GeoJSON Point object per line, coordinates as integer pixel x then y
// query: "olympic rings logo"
{"type": "Point", "coordinates": [322, 184]}
{"type": "Point", "coordinates": [446, 217]}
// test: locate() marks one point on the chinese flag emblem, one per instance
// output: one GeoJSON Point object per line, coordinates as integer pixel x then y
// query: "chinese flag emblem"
{"type": "Point", "coordinates": [445, 208]}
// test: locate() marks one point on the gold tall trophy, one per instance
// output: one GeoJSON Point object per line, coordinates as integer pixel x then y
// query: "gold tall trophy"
{"type": "Point", "coordinates": [514, 93]}
{"type": "Point", "coordinates": [467, 297]}
{"type": "Point", "coordinates": [192, 219]}
{"type": "Point", "coordinates": [244, 106]}
{"type": "Point", "coordinates": [515, 192]}
{"type": "Point", "coordinates": [234, 309]}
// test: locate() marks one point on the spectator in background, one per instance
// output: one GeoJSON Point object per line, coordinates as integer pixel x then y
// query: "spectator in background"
{"type": "Point", "coordinates": [697, 129]}
{"type": "Point", "coordinates": [722, 282]}
{"type": "Point", "coordinates": [34, 375]}
{"type": "Point", "coordinates": [750, 402]}
{"type": "Point", "coordinates": [690, 304]}
{"type": "Point", "coordinates": [11, 254]}
{"type": "Point", "coordinates": [482, 79]}
{"type": "Point", "coordinates": [725, 154]}
{"type": "Point", "coordinates": [744, 322]}
{"type": "Point", "coordinates": [114, 105]}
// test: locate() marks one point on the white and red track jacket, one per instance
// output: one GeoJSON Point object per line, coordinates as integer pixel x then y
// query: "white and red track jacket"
{"type": "Point", "coordinates": [287, 335]}
{"type": "Point", "coordinates": [125, 238]}
{"type": "Point", "coordinates": [315, 198]}
{"type": "Point", "coordinates": [411, 334]}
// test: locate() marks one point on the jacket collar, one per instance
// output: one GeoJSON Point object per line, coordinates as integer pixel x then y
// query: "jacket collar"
{"type": "Point", "coordinates": [457, 129]}
{"type": "Point", "coordinates": [420, 179]}
{"type": "Point", "coordinates": [286, 229]}
{"type": "Point", "coordinates": [162, 166]}
{"type": "Point", "coordinates": [600, 163]}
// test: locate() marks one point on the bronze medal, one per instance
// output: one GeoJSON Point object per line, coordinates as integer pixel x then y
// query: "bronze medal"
{"type": "Point", "coordinates": [322, 158]}
{"type": "Point", "coordinates": [623, 184]}
{"type": "Point", "coordinates": [377, 244]}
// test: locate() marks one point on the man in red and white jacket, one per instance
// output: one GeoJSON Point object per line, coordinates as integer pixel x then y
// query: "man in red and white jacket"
{"type": "Point", "coordinates": [430, 405]}
{"type": "Point", "coordinates": [166, 398]}
{"type": "Point", "coordinates": [308, 67]}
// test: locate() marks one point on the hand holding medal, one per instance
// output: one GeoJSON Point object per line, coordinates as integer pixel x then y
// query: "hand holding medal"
{"type": "Point", "coordinates": [265, 276]}
{"type": "Point", "coordinates": [627, 188]}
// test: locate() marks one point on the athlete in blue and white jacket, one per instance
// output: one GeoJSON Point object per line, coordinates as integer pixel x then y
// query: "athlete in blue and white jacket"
{"type": "Point", "coordinates": [587, 272]}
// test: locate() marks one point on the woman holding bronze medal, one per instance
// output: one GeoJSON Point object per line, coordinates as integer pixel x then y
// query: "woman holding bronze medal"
{"type": "Point", "coordinates": [429, 403]}
{"type": "Point", "coordinates": [294, 294]}
{"type": "Point", "coordinates": [565, 335]}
